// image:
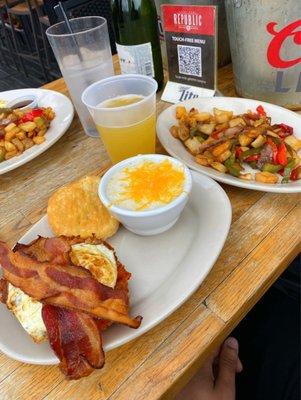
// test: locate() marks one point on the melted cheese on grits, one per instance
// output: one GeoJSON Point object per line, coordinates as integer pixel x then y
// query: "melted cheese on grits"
{"type": "Point", "coordinates": [98, 259]}
{"type": "Point", "coordinates": [146, 186]}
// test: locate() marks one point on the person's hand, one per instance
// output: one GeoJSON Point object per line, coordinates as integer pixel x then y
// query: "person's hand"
{"type": "Point", "coordinates": [216, 379]}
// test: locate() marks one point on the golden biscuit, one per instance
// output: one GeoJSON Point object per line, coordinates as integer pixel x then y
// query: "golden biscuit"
{"type": "Point", "coordinates": [76, 210]}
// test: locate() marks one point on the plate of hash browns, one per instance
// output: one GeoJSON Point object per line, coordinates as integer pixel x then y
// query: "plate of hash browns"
{"type": "Point", "coordinates": [78, 283]}
{"type": "Point", "coordinates": [26, 134]}
{"type": "Point", "coordinates": [241, 142]}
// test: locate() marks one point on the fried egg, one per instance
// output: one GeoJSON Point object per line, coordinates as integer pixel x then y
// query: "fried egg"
{"type": "Point", "coordinates": [98, 259]}
{"type": "Point", "coordinates": [28, 311]}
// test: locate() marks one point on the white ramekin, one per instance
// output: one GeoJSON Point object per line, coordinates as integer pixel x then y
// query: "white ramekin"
{"type": "Point", "coordinates": [31, 98]}
{"type": "Point", "coordinates": [148, 222]}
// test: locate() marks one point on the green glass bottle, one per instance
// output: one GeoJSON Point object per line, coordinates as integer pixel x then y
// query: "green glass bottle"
{"type": "Point", "coordinates": [137, 38]}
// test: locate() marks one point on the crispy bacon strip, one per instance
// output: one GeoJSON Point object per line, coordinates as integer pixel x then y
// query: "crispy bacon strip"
{"type": "Point", "coordinates": [75, 339]}
{"type": "Point", "coordinates": [65, 286]}
{"type": "Point", "coordinates": [54, 250]}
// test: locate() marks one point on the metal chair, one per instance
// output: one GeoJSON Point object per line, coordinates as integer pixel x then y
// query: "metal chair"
{"type": "Point", "coordinates": [35, 49]}
{"type": "Point", "coordinates": [8, 56]}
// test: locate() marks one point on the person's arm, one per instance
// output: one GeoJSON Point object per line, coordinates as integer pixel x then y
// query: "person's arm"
{"type": "Point", "coordinates": [216, 379]}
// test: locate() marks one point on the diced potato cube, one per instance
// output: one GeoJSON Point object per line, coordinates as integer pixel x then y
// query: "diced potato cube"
{"type": "Point", "coordinates": [9, 146]}
{"type": "Point", "coordinates": [202, 160]}
{"type": "Point", "coordinates": [10, 154]}
{"type": "Point", "coordinates": [19, 145]}
{"type": "Point", "coordinates": [180, 112]}
{"type": "Point", "coordinates": [272, 133]}
{"type": "Point", "coordinates": [293, 142]}
{"type": "Point", "coordinates": [27, 143]}
{"type": "Point", "coordinates": [237, 121]}
{"type": "Point", "coordinates": [193, 145]}
{"type": "Point", "coordinates": [2, 154]}
{"type": "Point", "coordinates": [224, 156]}
{"type": "Point", "coordinates": [221, 148]}
{"type": "Point", "coordinates": [222, 116]}
{"type": "Point", "coordinates": [266, 177]}
{"type": "Point", "coordinates": [202, 116]}
{"type": "Point", "coordinates": [9, 127]}
{"type": "Point", "coordinates": [183, 132]}
{"type": "Point", "coordinates": [28, 126]}
{"type": "Point", "coordinates": [218, 166]}
{"type": "Point", "coordinates": [258, 142]}
{"type": "Point", "coordinates": [174, 130]}
{"type": "Point", "coordinates": [244, 140]}
{"type": "Point", "coordinates": [39, 139]}
{"type": "Point", "coordinates": [206, 128]}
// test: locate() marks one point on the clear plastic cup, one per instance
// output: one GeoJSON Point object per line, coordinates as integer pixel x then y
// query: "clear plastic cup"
{"type": "Point", "coordinates": [84, 57]}
{"type": "Point", "coordinates": [126, 130]}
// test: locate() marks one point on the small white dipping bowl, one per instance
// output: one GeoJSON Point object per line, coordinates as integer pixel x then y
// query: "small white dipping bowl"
{"type": "Point", "coordinates": [30, 100]}
{"type": "Point", "coordinates": [148, 222]}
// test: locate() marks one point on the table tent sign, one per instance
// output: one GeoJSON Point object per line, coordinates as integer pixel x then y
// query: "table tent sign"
{"type": "Point", "coordinates": [191, 43]}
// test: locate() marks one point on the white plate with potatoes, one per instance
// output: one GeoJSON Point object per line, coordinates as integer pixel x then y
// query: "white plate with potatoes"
{"type": "Point", "coordinates": [64, 112]}
{"type": "Point", "coordinates": [177, 149]}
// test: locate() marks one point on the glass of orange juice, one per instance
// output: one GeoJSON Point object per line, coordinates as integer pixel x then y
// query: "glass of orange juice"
{"type": "Point", "coordinates": [123, 108]}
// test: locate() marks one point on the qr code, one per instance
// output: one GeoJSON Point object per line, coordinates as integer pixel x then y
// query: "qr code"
{"type": "Point", "coordinates": [190, 60]}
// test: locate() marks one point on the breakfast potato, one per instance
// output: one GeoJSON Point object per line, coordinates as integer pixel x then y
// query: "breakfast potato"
{"type": "Point", "coordinates": [206, 128]}
{"type": "Point", "coordinates": [193, 145]}
{"type": "Point", "coordinates": [224, 156]}
{"type": "Point", "coordinates": [219, 139]}
{"type": "Point", "coordinates": [202, 160]}
{"type": "Point", "coordinates": [266, 177]}
{"type": "Point", "coordinates": [236, 121]}
{"type": "Point", "coordinates": [293, 142]}
{"type": "Point", "coordinates": [219, 166]}
{"type": "Point", "coordinates": [259, 141]}
{"type": "Point", "coordinates": [174, 130]}
{"type": "Point", "coordinates": [180, 112]}
{"type": "Point", "coordinates": [202, 116]}
{"type": "Point", "coordinates": [222, 116]}
{"type": "Point", "coordinates": [244, 140]}
{"type": "Point", "coordinates": [221, 148]}
{"type": "Point", "coordinates": [183, 132]}
{"type": "Point", "coordinates": [22, 131]}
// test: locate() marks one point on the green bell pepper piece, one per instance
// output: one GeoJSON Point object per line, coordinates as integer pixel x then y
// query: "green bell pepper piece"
{"type": "Point", "coordinates": [268, 167]}
{"type": "Point", "coordinates": [250, 152]}
{"type": "Point", "coordinates": [287, 171]}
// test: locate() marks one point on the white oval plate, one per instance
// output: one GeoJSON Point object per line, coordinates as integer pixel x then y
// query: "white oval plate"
{"type": "Point", "coordinates": [64, 115]}
{"type": "Point", "coordinates": [177, 262]}
{"type": "Point", "coordinates": [175, 147]}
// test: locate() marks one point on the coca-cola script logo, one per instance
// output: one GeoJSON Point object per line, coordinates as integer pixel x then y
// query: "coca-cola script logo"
{"type": "Point", "coordinates": [274, 48]}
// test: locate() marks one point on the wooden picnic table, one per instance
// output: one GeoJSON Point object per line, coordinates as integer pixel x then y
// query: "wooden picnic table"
{"type": "Point", "coordinates": [264, 238]}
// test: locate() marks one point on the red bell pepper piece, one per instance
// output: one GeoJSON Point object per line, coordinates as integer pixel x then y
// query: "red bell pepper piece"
{"type": "Point", "coordinates": [286, 130]}
{"type": "Point", "coordinates": [296, 174]}
{"type": "Point", "coordinates": [216, 134]}
{"type": "Point", "coordinates": [274, 149]}
{"type": "Point", "coordinates": [281, 157]}
{"type": "Point", "coordinates": [238, 152]}
{"type": "Point", "coordinates": [37, 112]}
{"type": "Point", "coordinates": [260, 111]}
{"type": "Point", "coordinates": [255, 157]}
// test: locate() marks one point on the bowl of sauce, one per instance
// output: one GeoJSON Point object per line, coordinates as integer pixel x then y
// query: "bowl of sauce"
{"type": "Point", "coordinates": [23, 103]}
{"type": "Point", "coordinates": [146, 193]}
